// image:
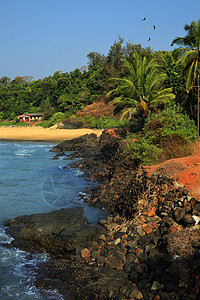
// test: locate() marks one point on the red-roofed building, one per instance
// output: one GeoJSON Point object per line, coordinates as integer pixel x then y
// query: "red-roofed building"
{"type": "Point", "coordinates": [32, 118]}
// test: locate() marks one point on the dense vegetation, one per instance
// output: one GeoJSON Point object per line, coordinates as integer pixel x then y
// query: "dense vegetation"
{"type": "Point", "coordinates": [69, 92]}
{"type": "Point", "coordinates": [165, 135]}
{"type": "Point", "coordinates": [141, 83]}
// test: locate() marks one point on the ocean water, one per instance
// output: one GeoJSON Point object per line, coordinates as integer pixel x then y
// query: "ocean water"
{"type": "Point", "coordinates": [32, 182]}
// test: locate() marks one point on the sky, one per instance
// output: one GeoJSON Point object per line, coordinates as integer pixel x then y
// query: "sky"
{"type": "Point", "coordinates": [40, 37]}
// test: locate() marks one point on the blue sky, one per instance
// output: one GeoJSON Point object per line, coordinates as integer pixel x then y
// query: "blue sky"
{"type": "Point", "coordinates": [40, 37]}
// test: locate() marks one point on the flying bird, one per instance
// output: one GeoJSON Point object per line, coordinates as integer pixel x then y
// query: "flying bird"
{"type": "Point", "coordinates": [144, 19]}
{"type": "Point", "coordinates": [149, 39]}
{"type": "Point", "coordinates": [154, 27]}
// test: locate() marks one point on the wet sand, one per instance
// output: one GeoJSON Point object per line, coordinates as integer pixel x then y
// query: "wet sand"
{"type": "Point", "coordinates": [43, 134]}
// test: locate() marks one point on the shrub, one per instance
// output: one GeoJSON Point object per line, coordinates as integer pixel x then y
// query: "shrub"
{"type": "Point", "coordinates": [1, 116]}
{"type": "Point", "coordinates": [103, 122]}
{"type": "Point", "coordinates": [165, 135]}
{"type": "Point", "coordinates": [56, 118]}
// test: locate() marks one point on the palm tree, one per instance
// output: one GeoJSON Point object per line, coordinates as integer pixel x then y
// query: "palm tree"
{"type": "Point", "coordinates": [191, 57]}
{"type": "Point", "coordinates": [141, 87]}
{"type": "Point", "coordinates": [190, 45]}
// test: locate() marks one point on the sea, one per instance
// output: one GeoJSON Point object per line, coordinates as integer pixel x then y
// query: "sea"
{"type": "Point", "coordinates": [31, 182]}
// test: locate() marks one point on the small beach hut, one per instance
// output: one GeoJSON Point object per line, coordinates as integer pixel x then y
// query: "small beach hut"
{"type": "Point", "coordinates": [30, 118]}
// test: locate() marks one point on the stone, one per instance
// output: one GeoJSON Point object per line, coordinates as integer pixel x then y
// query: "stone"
{"type": "Point", "coordinates": [124, 229]}
{"type": "Point", "coordinates": [197, 219]}
{"type": "Point", "coordinates": [111, 226]}
{"type": "Point", "coordinates": [140, 231]}
{"type": "Point", "coordinates": [172, 285]}
{"type": "Point", "coordinates": [148, 229]}
{"type": "Point", "coordinates": [135, 294]}
{"type": "Point", "coordinates": [95, 254]}
{"type": "Point", "coordinates": [133, 244]}
{"type": "Point", "coordinates": [141, 268]}
{"type": "Point", "coordinates": [134, 276]}
{"type": "Point", "coordinates": [144, 283]}
{"type": "Point", "coordinates": [178, 185]}
{"type": "Point", "coordinates": [58, 232]}
{"type": "Point", "coordinates": [100, 261]}
{"type": "Point", "coordinates": [157, 286]}
{"type": "Point", "coordinates": [85, 253]}
{"type": "Point", "coordinates": [113, 263]}
{"type": "Point", "coordinates": [116, 242]}
{"type": "Point", "coordinates": [179, 214]}
{"type": "Point", "coordinates": [138, 251]}
{"type": "Point", "coordinates": [188, 219]}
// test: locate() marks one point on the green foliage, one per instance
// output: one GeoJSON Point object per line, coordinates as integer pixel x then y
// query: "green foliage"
{"type": "Point", "coordinates": [46, 109]}
{"type": "Point", "coordinates": [1, 116]}
{"type": "Point", "coordinates": [165, 135]}
{"type": "Point", "coordinates": [44, 124]}
{"type": "Point", "coordinates": [141, 88]}
{"type": "Point", "coordinates": [103, 122]}
{"type": "Point", "coordinates": [13, 123]}
{"type": "Point", "coordinates": [17, 120]}
{"type": "Point", "coordinates": [191, 54]}
{"type": "Point", "coordinates": [56, 118]}
{"type": "Point", "coordinates": [175, 73]}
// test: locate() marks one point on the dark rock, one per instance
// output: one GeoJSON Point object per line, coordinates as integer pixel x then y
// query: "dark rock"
{"type": "Point", "coordinates": [79, 143]}
{"type": "Point", "coordinates": [141, 268]}
{"type": "Point", "coordinates": [172, 285]}
{"type": "Point", "coordinates": [71, 124]}
{"type": "Point", "coordinates": [166, 277]}
{"type": "Point", "coordinates": [188, 219]}
{"type": "Point", "coordinates": [142, 257]}
{"type": "Point", "coordinates": [157, 286]}
{"type": "Point", "coordinates": [179, 214]}
{"type": "Point", "coordinates": [144, 283]}
{"type": "Point", "coordinates": [165, 296]}
{"type": "Point", "coordinates": [58, 155]}
{"type": "Point", "coordinates": [128, 267]}
{"type": "Point", "coordinates": [100, 261]}
{"type": "Point", "coordinates": [80, 281]}
{"type": "Point", "coordinates": [57, 232]}
{"type": "Point", "coordinates": [134, 276]}
{"type": "Point", "coordinates": [136, 294]}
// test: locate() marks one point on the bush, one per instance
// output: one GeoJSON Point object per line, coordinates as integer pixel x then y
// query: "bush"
{"type": "Point", "coordinates": [1, 116]}
{"type": "Point", "coordinates": [44, 124]}
{"type": "Point", "coordinates": [56, 118]}
{"type": "Point", "coordinates": [102, 122]}
{"type": "Point", "coordinates": [165, 135]}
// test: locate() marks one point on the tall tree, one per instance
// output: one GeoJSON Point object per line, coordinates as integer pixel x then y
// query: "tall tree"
{"type": "Point", "coordinates": [141, 87]}
{"type": "Point", "coordinates": [190, 44]}
{"type": "Point", "coordinates": [175, 74]}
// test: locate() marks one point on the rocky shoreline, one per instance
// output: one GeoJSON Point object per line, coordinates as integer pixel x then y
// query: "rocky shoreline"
{"type": "Point", "coordinates": [147, 248]}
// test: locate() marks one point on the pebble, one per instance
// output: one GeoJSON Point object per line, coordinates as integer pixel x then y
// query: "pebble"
{"type": "Point", "coordinates": [157, 286]}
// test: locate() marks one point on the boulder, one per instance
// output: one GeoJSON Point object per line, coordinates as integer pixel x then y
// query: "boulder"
{"type": "Point", "coordinates": [70, 124]}
{"type": "Point", "coordinates": [79, 143]}
{"type": "Point", "coordinates": [58, 232]}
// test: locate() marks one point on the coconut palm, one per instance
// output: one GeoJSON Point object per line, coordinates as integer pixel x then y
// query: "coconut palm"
{"type": "Point", "coordinates": [190, 45]}
{"type": "Point", "coordinates": [141, 87]}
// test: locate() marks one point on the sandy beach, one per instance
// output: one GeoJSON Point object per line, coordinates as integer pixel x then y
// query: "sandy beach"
{"type": "Point", "coordinates": [43, 134]}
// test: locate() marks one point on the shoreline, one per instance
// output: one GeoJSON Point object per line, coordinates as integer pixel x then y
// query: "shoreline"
{"type": "Point", "coordinates": [132, 247]}
{"type": "Point", "coordinates": [43, 134]}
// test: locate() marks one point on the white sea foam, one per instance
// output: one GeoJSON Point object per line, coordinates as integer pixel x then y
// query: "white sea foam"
{"type": "Point", "coordinates": [22, 154]}
{"type": "Point", "coordinates": [78, 172]}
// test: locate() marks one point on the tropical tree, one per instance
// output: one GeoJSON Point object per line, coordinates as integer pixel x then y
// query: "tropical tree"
{"type": "Point", "coordinates": [190, 45]}
{"type": "Point", "coordinates": [141, 88]}
{"type": "Point", "coordinates": [175, 75]}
